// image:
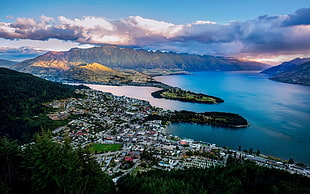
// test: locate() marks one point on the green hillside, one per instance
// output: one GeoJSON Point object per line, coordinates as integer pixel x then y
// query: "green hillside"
{"type": "Point", "coordinates": [21, 98]}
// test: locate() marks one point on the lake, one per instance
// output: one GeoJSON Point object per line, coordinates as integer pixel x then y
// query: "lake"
{"type": "Point", "coordinates": [278, 113]}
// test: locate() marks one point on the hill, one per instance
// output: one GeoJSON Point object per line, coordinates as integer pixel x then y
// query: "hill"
{"type": "Point", "coordinates": [297, 75]}
{"type": "Point", "coordinates": [114, 57]}
{"type": "Point", "coordinates": [6, 63]}
{"type": "Point", "coordinates": [285, 66]}
{"type": "Point", "coordinates": [97, 73]}
{"type": "Point", "coordinates": [21, 98]}
{"type": "Point", "coordinates": [97, 67]}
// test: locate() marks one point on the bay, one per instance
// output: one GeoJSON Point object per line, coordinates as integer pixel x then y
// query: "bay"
{"type": "Point", "coordinates": [278, 113]}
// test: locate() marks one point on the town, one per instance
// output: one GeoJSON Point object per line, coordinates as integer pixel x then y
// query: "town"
{"type": "Point", "coordinates": [124, 137]}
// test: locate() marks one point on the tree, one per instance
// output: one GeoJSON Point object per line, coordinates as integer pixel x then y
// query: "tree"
{"type": "Point", "coordinates": [257, 153]}
{"type": "Point", "coordinates": [239, 148]}
{"type": "Point", "coordinates": [58, 168]}
{"type": "Point", "coordinates": [10, 171]}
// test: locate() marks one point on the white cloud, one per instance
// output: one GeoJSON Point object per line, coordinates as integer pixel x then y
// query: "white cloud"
{"type": "Point", "coordinates": [265, 34]}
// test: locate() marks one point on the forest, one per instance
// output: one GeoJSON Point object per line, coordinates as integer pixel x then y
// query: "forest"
{"type": "Point", "coordinates": [236, 177]}
{"type": "Point", "coordinates": [48, 166]}
{"type": "Point", "coordinates": [21, 97]}
{"type": "Point", "coordinates": [221, 119]}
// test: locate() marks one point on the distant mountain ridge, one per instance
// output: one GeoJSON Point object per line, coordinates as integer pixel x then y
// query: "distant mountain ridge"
{"type": "Point", "coordinates": [126, 66]}
{"type": "Point", "coordinates": [297, 75]}
{"type": "Point", "coordinates": [296, 71]}
{"type": "Point", "coordinates": [137, 59]}
{"type": "Point", "coordinates": [285, 66]}
{"type": "Point", "coordinates": [6, 63]}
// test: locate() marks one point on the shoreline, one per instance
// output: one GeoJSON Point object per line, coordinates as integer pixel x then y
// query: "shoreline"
{"type": "Point", "coordinates": [164, 130]}
{"type": "Point", "coordinates": [254, 126]}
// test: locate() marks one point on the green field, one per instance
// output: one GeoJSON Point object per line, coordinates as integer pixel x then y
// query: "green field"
{"type": "Point", "coordinates": [99, 148]}
{"type": "Point", "coordinates": [187, 96]}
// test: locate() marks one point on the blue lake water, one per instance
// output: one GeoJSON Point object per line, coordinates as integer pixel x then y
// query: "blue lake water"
{"type": "Point", "coordinates": [278, 113]}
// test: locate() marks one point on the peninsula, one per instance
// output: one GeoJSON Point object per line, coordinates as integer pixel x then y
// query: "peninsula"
{"type": "Point", "coordinates": [219, 119]}
{"type": "Point", "coordinates": [186, 96]}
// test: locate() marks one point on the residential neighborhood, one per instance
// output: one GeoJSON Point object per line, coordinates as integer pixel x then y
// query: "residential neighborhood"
{"type": "Point", "coordinates": [123, 137]}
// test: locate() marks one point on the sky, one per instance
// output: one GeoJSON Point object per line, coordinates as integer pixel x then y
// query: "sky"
{"type": "Point", "coordinates": [261, 30]}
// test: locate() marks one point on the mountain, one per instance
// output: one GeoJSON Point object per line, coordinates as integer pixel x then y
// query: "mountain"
{"type": "Point", "coordinates": [6, 63]}
{"type": "Point", "coordinates": [116, 57]}
{"type": "Point", "coordinates": [21, 98]}
{"type": "Point", "coordinates": [297, 75]}
{"type": "Point", "coordinates": [286, 66]}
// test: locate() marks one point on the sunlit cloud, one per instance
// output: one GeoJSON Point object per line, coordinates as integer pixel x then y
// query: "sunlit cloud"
{"type": "Point", "coordinates": [278, 35]}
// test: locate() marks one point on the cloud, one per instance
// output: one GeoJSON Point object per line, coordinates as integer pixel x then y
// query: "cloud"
{"type": "Point", "coordinates": [300, 17]}
{"type": "Point", "coordinates": [264, 34]}
{"type": "Point", "coordinates": [19, 54]}
{"type": "Point", "coordinates": [26, 49]}
{"type": "Point", "coordinates": [267, 34]}
{"type": "Point", "coordinates": [9, 17]}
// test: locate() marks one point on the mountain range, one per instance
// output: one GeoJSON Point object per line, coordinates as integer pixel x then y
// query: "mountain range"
{"type": "Point", "coordinates": [285, 66]}
{"type": "Point", "coordinates": [297, 75]}
{"type": "Point", "coordinates": [110, 64]}
{"type": "Point", "coordinates": [6, 63]}
{"type": "Point", "coordinates": [296, 71]}
{"type": "Point", "coordinates": [124, 65]}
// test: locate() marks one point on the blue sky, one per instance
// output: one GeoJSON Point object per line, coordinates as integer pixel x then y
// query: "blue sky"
{"type": "Point", "coordinates": [197, 26]}
{"type": "Point", "coordinates": [175, 11]}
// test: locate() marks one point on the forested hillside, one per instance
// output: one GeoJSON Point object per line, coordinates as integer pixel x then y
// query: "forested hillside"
{"type": "Point", "coordinates": [46, 166]}
{"type": "Point", "coordinates": [235, 178]}
{"type": "Point", "coordinates": [21, 98]}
